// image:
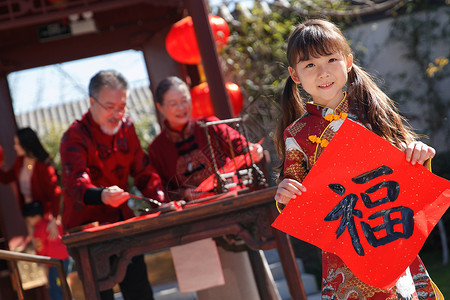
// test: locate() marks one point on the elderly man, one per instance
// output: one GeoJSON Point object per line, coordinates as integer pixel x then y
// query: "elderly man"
{"type": "Point", "coordinates": [98, 154]}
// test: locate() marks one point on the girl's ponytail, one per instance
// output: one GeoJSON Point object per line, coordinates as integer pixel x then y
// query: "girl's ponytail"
{"type": "Point", "coordinates": [291, 108]}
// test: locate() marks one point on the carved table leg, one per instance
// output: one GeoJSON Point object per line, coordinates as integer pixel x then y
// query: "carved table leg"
{"type": "Point", "coordinates": [90, 285]}
{"type": "Point", "coordinates": [259, 271]}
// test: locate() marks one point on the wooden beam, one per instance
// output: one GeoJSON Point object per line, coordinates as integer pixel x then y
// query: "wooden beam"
{"type": "Point", "coordinates": [32, 14]}
{"type": "Point", "coordinates": [76, 47]}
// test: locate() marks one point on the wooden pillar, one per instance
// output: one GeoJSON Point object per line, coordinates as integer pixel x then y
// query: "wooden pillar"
{"type": "Point", "coordinates": [210, 59]}
{"type": "Point", "coordinates": [12, 223]}
{"type": "Point", "coordinates": [158, 62]}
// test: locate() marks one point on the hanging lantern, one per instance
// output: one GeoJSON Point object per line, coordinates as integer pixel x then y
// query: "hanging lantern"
{"type": "Point", "coordinates": [220, 31]}
{"type": "Point", "coordinates": [1, 155]}
{"type": "Point", "coordinates": [236, 97]}
{"type": "Point", "coordinates": [201, 101]}
{"type": "Point", "coordinates": [202, 104]}
{"type": "Point", "coordinates": [181, 42]}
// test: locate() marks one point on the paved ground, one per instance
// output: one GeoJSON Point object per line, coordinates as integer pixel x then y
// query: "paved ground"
{"type": "Point", "coordinates": [174, 296]}
{"type": "Point", "coordinates": [169, 291]}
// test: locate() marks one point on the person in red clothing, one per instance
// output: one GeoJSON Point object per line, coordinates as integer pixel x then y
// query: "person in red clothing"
{"type": "Point", "coordinates": [34, 217]}
{"type": "Point", "coordinates": [321, 60]}
{"type": "Point", "coordinates": [98, 154]}
{"type": "Point", "coordinates": [180, 153]}
{"type": "Point", "coordinates": [35, 177]}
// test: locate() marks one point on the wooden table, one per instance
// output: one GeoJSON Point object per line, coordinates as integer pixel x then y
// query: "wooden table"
{"type": "Point", "coordinates": [248, 215]}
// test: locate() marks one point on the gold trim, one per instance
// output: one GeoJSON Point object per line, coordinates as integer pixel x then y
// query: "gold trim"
{"type": "Point", "coordinates": [345, 97]}
{"type": "Point", "coordinates": [438, 294]}
{"type": "Point", "coordinates": [278, 207]}
{"type": "Point", "coordinates": [317, 147]}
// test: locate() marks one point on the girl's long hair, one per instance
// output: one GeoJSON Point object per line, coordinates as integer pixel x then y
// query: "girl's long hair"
{"type": "Point", "coordinates": [292, 107]}
{"type": "Point", "coordinates": [30, 142]}
{"type": "Point", "coordinates": [315, 38]}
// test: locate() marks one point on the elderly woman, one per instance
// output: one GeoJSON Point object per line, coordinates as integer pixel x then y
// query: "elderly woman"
{"type": "Point", "coordinates": [181, 156]}
{"type": "Point", "coordinates": [180, 153]}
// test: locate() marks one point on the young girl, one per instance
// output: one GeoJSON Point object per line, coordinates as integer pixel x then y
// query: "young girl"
{"type": "Point", "coordinates": [320, 59]}
{"type": "Point", "coordinates": [35, 176]}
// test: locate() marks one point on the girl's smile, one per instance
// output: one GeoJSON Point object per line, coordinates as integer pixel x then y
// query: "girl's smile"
{"type": "Point", "coordinates": [324, 86]}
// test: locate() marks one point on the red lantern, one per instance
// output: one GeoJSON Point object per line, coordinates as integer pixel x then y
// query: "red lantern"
{"type": "Point", "coordinates": [220, 31]}
{"type": "Point", "coordinates": [181, 42]}
{"type": "Point", "coordinates": [1, 155]}
{"type": "Point", "coordinates": [236, 97]}
{"type": "Point", "coordinates": [202, 104]}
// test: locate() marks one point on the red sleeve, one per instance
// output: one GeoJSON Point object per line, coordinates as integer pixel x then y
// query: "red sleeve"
{"type": "Point", "coordinates": [145, 176]}
{"type": "Point", "coordinates": [8, 176]}
{"type": "Point", "coordinates": [74, 158]}
{"type": "Point", "coordinates": [154, 154]}
{"type": "Point", "coordinates": [223, 134]}
{"type": "Point", "coordinates": [295, 166]}
{"type": "Point", "coordinates": [47, 182]}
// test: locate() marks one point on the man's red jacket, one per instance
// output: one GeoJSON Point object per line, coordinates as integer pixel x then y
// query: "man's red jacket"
{"type": "Point", "coordinates": [92, 159]}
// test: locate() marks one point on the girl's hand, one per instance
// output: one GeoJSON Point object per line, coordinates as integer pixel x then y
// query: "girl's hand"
{"type": "Point", "coordinates": [418, 152]}
{"type": "Point", "coordinates": [288, 189]}
{"type": "Point", "coordinates": [52, 229]}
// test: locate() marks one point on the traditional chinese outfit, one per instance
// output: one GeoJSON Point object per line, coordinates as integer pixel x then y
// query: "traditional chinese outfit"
{"type": "Point", "coordinates": [183, 158]}
{"type": "Point", "coordinates": [92, 159]}
{"type": "Point", "coordinates": [305, 140]}
{"type": "Point", "coordinates": [43, 185]}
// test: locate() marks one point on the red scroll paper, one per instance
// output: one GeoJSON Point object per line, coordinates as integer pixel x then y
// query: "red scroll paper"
{"type": "Point", "coordinates": [368, 205]}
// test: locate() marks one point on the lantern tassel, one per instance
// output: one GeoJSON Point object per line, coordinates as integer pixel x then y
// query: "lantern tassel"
{"type": "Point", "coordinates": [201, 72]}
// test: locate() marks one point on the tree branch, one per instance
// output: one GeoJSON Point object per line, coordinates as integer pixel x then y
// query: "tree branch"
{"type": "Point", "coordinates": [366, 7]}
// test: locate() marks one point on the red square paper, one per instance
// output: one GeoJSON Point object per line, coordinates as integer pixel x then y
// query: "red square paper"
{"type": "Point", "coordinates": [368, 205]}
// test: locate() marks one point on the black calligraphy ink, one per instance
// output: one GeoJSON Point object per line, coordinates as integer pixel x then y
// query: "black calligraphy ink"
{"type": "Point", "coordinates": [366, 177]}
{"type": "Point", "coordinates": [407, 221]}
{"type": "Point", "coordinates": [337, 188]}
{"type": "Point", "coordinates": [393, 190]}
{"type": "Point", "coordinates": [345, 210]}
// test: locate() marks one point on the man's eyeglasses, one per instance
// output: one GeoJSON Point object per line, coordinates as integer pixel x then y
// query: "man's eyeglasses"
{"type": "Point", "coordinates": [111, 109]}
